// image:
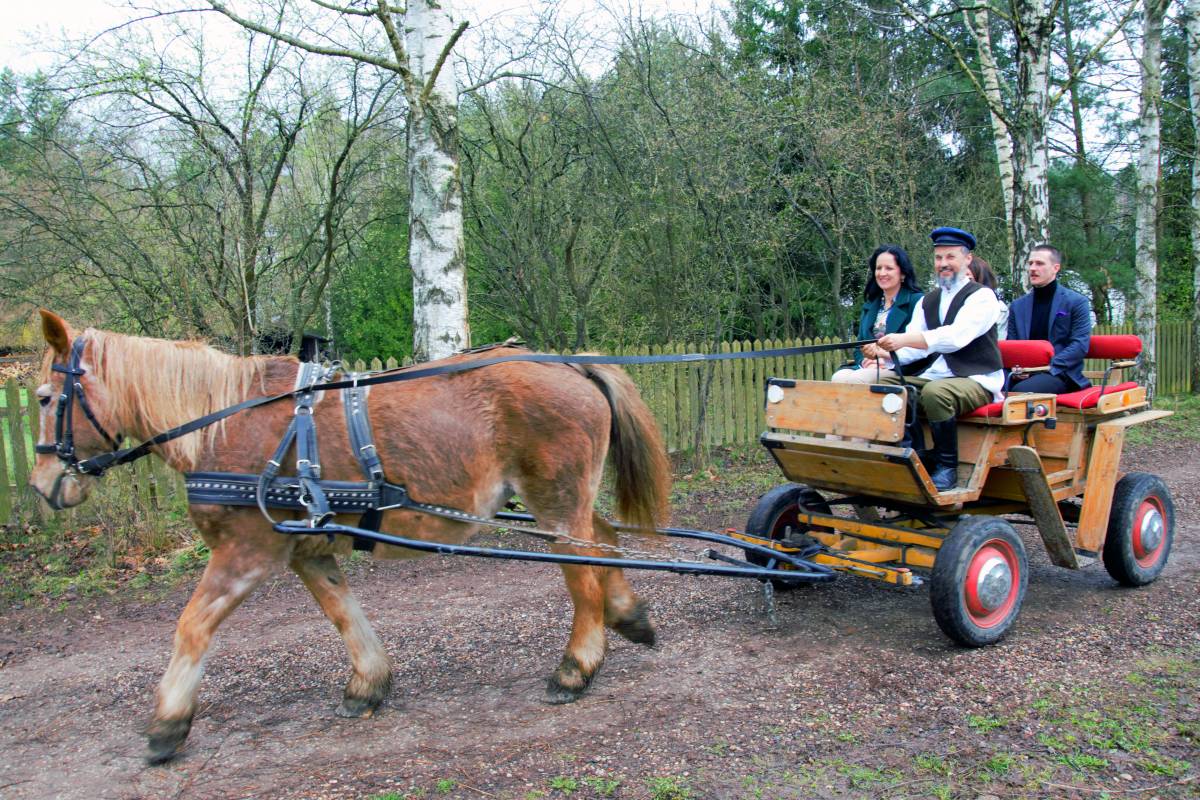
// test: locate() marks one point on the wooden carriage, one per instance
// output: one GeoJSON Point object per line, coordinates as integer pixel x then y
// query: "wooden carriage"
{"type": "Point", "coordinates": [1052, 460]}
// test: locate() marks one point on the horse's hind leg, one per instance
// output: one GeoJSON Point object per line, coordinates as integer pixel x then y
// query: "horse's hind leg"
{"type": "Point", "coordinates": [624, 611]}
{"type": "Point", "coordinates": [230, 577]}
{"type": "Point", "coordinates": [585, 650]}
{"type": "Point", "coordinates": [371, 680]}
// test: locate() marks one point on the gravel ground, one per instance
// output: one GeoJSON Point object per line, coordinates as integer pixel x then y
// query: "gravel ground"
{"type": "Point", "coordinates": [855, 693]}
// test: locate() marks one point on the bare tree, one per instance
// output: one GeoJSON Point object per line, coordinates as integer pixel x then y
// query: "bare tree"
{"type": "Point", "coordinates": [1193, 68]}
{"type": "Point", "coordinates": [414, 43]}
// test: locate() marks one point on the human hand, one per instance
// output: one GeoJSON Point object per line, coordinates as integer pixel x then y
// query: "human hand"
{"type": "Point", "coordinates": [890, 342]}
{"type": "Point", "coordinates": [870, 351]}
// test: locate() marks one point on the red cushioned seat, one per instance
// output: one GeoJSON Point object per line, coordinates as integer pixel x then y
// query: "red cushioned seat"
{"type": "Point", "coordinates": [1025, 353]}
{"type": "Point", "coordinates": [1016, 354]}
{"type": "Point", "coordinates": [1087, 398]}
{"type": "Point", "coordinates": [990, 410]}
{"type": "Point", "coordinates": [1115, 347]}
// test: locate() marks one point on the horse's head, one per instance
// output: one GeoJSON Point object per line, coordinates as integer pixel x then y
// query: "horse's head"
{"type": "Point", "coordinates": [75, 422]}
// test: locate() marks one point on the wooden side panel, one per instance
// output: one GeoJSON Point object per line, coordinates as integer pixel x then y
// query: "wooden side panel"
{"type": "Point", "coordinates": [834, 408]}
{"type": "Point", "coordinates": [855, 468]}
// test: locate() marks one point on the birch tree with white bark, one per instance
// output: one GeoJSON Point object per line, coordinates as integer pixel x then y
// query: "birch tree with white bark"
{"type": "Point", "coordinates": [414, 42]}
{"type": "Point", "coordinates": [1146, 202]}
{"type": "Point", "coordinates": [1193, 68]}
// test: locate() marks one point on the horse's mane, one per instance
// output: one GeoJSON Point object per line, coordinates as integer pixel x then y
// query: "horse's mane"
{"type": "Point", "coordinates": [156, 384]}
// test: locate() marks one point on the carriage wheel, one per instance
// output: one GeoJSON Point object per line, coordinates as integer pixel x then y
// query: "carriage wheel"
{"type": "Point", "coordinates": [775, 513]}
{"type": "Point", "coordinates": [1141, 529]}
{"type": "Point", "coordinates": [978, 581]}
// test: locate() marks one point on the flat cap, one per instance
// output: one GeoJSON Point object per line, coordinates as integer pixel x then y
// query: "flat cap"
{"type": "Point", "coordinates": [952, 236]}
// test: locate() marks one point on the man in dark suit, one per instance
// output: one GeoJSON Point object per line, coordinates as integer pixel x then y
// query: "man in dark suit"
{"type": "Point", "coordinates": [1052, 312]}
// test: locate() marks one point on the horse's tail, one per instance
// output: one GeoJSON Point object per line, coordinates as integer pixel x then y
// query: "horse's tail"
{"type": "Point", "coordinates": [639, 458]}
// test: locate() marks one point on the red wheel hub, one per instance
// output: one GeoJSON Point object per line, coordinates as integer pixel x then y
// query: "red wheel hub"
{"type": "Point", "coordinates": [1149, 534]}
{"type": "Point", "coordinates": [992, 582]}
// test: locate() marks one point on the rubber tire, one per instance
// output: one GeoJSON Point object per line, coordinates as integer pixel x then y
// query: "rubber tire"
{"type": "Point", "coordinates": [950, 570]}
{"type": "Point", "coordinates": [1131, 492]}
{"type": "Point", "coordinates": [776, 511]}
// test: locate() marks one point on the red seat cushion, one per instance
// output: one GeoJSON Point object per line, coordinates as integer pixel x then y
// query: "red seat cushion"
{"type": "Point", "coordinates": [1086, 398]}
{"type": "Point", "coordinates": [1117, 346]}
{"type": "Point", "coordinates": [990, 410]}
{"type": "Point", "coordinates": [1025, 352]}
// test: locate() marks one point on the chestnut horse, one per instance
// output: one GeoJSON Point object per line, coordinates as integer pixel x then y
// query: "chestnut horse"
{"type": "Point", "coordinates": [469, 440]}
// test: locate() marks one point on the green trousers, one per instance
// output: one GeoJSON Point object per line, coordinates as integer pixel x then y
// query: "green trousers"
{"type": "Point", "coordinates": [946, 398]}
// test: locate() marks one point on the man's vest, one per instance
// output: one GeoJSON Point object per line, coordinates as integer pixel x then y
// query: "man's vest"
{"type": "Point", "coordinates": [978, 357]}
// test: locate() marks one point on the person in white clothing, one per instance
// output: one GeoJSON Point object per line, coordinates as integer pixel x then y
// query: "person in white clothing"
{"type": "Point", "coordinates": [949, 351]}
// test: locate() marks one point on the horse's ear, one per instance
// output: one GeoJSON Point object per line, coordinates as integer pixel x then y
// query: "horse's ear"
{"type": "Point", "coordinates": [56, 331]}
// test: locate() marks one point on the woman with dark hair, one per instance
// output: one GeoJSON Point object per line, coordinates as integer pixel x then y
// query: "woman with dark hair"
{"type": "Point", "coordinates": [891, 295]}
{"type": "Point", "coordinates": [982, 272]}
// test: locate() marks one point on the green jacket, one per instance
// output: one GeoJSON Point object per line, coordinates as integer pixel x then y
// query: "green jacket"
{"type": "Point", "coordinates": [897, 318]}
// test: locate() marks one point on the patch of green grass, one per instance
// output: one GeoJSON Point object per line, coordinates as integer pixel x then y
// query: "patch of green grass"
{"type": "Point", "coordinates": [928, 762]}
{"type": "Point", "coordinates": [999, 764]}
{"type": "Point", "coordinates": [1167, 767]}
{"type": "Point", "coordinates": [1080, 761]}
{"type": "Point", "coordinates": [604, 787]}
{"type": "Point", "coordinates": [941, 792]}
{"type": "Point", "coordinates": [668, 788]}
{"type": "Point", "coordinates": [846, 736]}
{"type": "Point", "coordinates": [985, 724]}
{"type": "Point", "coordinates": [561, 783]}
{"type": "Point", "coordinates": [445, 785]}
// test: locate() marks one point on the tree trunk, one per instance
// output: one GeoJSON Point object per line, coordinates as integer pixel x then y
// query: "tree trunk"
{"type": "Point", "coordinates": [1193, 67]}
{"type": "Point", "coordinates": [1000, 136]}
{"type": "Point", "coordinates": [1031, 195]}
{"type": "Point", "coordinates": [1146, 221]}
{"type": "Point", "coordinates": [435, 248]}
{"type": "Point", "coordinates": [1099, 292]}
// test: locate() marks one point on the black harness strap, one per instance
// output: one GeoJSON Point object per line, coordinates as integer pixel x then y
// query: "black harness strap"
{"type": "Point", "coordinates": [362, 443]}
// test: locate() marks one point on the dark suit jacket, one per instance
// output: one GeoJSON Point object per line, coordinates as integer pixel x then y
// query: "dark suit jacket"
{"type": "Point", "coordinates": [897, 318]}
{"type": "Point", "coordinates": [1070, 329]}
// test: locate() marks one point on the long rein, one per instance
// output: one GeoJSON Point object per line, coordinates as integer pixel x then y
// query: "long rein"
{"type": "Point", "coordinates": [98, 465]}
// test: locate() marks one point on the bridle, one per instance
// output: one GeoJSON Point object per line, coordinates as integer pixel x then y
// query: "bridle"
{"type": "Point", "coordinates": [64, 421]}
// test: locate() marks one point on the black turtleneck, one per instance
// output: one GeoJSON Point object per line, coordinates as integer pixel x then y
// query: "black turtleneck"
{"type": "Point", "coordinates": [1043, 297]}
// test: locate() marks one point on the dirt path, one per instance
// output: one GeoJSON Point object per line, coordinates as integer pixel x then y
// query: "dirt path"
{"type": "Point", "coordinates": [856, 677]}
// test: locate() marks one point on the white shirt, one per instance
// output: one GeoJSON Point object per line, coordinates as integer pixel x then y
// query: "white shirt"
{"type": "Point", "coordinates": [979, 312]}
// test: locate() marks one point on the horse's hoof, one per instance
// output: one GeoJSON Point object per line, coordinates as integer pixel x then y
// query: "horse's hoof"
{"type": "Point", "coordinates": [568, 682]}
{"type": "Point", "coordinates": [558, 695]}
{"type": "Point", "coordinates": [636, 627]}
{"type": "Point", "coordinates": [357, 708]}
{"type": "Point", "coordinates": [165, 739]}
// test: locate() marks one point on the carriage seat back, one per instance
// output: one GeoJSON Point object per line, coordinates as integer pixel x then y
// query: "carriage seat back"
{"type": "Point", "coordinates": [1115, 347]}
{"type": "Point", "coordinates": [1025, 353]}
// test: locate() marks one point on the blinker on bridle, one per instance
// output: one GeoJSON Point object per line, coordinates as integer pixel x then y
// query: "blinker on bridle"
{"type": "Point", "coordinates": [64, 428]}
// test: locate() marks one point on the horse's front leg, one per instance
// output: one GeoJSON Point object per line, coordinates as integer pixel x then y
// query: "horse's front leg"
{"type": "Point", "coordinates": [371, 680]}
{"type": "Point", "coordinates": [231, 575]}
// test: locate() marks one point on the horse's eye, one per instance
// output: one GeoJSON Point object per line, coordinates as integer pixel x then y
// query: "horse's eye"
{"type": "Point", "coordinates": [44, 401]}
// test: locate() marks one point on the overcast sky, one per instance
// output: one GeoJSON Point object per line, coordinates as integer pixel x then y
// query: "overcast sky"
{"type": "Point", "coordinates": [24, 22]}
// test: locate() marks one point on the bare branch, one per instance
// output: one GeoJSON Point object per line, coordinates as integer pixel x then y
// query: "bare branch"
{"type": "Point", "coordinates": [356, 55]}
{"type": "Point", "coordinates": [437, 68]}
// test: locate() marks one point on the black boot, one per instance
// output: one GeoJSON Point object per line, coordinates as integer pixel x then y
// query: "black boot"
{"type": "Point", "coordinates": [945, 450]}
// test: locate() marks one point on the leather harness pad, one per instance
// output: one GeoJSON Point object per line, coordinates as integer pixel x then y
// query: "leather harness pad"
{"type": "Point", "coordinates": [345, 497]}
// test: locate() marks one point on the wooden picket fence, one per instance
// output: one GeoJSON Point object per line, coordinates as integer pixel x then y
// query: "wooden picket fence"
{"type": "Point", "coordinates": [703, 404]}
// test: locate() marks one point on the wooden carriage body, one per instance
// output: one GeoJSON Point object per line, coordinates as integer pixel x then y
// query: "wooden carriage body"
{"type": "Point", "coordinates": [1053, 460]}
